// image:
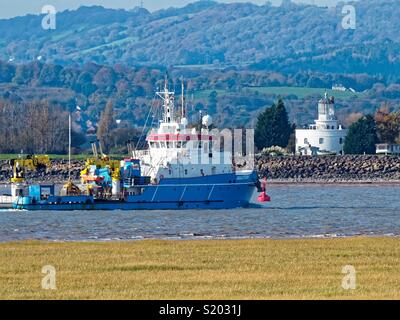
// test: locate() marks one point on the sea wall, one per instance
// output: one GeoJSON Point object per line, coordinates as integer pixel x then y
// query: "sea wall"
{"type": "Point", "coordinates": [277, 169]}
{"type": "Point", "coordinates": [349, 168]}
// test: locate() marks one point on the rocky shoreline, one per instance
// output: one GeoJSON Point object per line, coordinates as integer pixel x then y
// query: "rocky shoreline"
{"type": "Point", "coordinates": [330, 169]}
{"type": "Point", "coordinates": [285, 169]}
{"type": "Point", "coordinates": [57, 173]}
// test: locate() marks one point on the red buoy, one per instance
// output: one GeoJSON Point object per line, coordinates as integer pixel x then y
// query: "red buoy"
{"type": "Point", "coordinates": [263, 197]}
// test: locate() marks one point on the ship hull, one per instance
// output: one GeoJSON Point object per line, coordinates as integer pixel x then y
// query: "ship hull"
{"type": "Point", "coordinates": [226, 191]}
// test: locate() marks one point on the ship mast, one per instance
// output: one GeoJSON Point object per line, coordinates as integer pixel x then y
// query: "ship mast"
{"type": "Point", "coordinates": [183, 101]}
{"type": "Point", "coordinates": [168, 98]}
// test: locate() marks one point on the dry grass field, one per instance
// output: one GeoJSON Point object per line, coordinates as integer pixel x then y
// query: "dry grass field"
{"type": "Point", "coordinates": [231, 269]}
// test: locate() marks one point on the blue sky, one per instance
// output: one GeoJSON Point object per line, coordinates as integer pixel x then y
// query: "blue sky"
{"type": "Point", "coordinates": [12, 8]}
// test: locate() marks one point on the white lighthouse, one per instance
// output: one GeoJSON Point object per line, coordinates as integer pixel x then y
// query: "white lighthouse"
{"type": "Point", "coordinates": [326, 136]}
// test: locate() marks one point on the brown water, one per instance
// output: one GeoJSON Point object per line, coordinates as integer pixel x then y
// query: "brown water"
{"type": "Point", "coordinates": [296, 211]}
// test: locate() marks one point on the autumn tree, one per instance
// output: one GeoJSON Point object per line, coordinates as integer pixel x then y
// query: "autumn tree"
{"type": "Point", "coordinates": [353, 117]}
{"type": "Point", "coordinates": [33, 127]}
{"type": "Point", "coordinates": [106, 126]}
{"type": "Point", "coordinates": [104, 78]}
{"type": "Point", "coordinates": [387, 125]}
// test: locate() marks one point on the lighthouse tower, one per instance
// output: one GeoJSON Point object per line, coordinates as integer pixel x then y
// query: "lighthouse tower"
{"type": "Point", "coordinates": [326, 136]}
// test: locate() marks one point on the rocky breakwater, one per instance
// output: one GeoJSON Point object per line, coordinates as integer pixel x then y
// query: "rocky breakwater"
{"type": "Point", "coordinates": [57, 172]}
{"type": "Point", "coordinates": [348, 168]}
{"type": "Point", "coordinates": [332, 169]}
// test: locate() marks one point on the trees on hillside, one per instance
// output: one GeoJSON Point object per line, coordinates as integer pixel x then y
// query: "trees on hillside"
{"type": "Point", "coordinates": [91, 85]}
{"type": "Point", "coordinates": [362, 137]}
{"type": "Point", "coordinates": [273, 127]}
{"type": "Point", "coordinates": [237, 43]}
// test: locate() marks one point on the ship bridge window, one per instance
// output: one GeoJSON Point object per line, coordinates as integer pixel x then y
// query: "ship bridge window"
{"type": "Point", "coordinates": [169, 144]}
{"type": "Point", "coordinates": [162, 144]}
{"type": "Point", "coordinates": [179, 144]}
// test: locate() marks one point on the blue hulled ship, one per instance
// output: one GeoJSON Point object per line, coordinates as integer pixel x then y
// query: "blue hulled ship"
{"type": "Point", "coordinates": [182, 168]}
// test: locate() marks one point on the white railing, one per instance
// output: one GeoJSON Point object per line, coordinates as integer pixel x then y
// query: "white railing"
{"type": "Point", "coordinates": [141, 153]}
{"type": "Point", "coordinates": [5, 199]}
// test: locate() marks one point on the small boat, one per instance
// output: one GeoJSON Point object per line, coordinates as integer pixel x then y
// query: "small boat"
{"type": "Point", "coordinates": [180, 170]}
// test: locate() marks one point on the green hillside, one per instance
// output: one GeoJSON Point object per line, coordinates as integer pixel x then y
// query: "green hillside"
{"type": "Point", "coordinates": [208, 34]}
{"type": "Point", "coordinates": [303, 92]}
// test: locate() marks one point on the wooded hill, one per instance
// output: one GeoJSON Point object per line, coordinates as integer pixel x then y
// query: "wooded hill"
{"type": "Point", "coordinates": [288, 39]}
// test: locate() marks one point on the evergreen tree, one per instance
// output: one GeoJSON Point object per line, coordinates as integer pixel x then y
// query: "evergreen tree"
{"type": "Point", "coordinates": [362, 137]}
{"type": "Point", "coordinates": [291, 147]}
{"type": "Point", "coordinates": [282, 128]}
{"type": "Point", "coordinates": [212, 102]}
{"type": "Point", "coordinates": [106, 126]}
{"type": "Point", "coordinates": [273, 127]}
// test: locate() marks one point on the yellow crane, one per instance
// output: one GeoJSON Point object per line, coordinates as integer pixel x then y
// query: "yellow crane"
{"type": "Point", "coordinates": [19, 166]}
{"type": "Point", "coordinates": [101, 161]}
{"type": "Point", "coordinates": [30, 162]}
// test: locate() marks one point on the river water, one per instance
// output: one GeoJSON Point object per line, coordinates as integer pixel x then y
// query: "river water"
{"type": "Point", "coordinates": [296, 211]}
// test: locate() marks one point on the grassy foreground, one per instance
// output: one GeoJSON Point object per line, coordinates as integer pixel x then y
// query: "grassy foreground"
{"type": "Point", "coordinates": [242, 269]}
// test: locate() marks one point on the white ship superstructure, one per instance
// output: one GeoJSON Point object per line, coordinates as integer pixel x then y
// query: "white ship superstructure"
{"type": "Point", "coordinates": [177, 151]}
